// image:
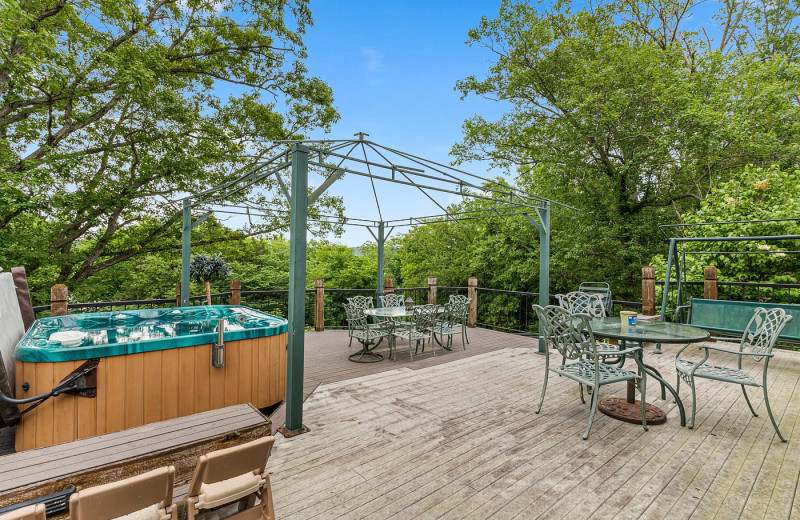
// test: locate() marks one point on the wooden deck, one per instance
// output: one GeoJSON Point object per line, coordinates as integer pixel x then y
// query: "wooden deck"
{"type": "Point", "coordinates": [456, 437]}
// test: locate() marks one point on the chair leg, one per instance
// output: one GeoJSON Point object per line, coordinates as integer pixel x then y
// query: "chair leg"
{"type": "Point", "coordinates": [465, 334]}
{"type": "Point", "coordinates": [591, 413]}
{"type": "Point", "coordinates": [694, 402]}
{"type": "Point", "coordinates": [544, 389]}
{"type": "Point", "coordinates": [771, 417]}
{"type": "Point", "coordinates": [580, 387]}
{"type": "Point", "coordinates": [747, 398]}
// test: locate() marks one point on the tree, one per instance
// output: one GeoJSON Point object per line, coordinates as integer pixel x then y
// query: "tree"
{"type": "Point", "coordinates": [112, 110]}
{"type": "Point", "coordinates": [767, 194]}
{"type": "Point", "coordinates": [206, 269]}
{"type": "Point", "coordinates": [622, 112]}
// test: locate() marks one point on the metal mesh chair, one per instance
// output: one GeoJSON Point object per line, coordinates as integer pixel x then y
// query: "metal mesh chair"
{"type": "Point", "coordinates": [571, 335]}
{"type": "Point", "coordinates": [420, 329]}
{"type": "Point", "coordinates": [578, 302]}
{"type": "Point", "coordinates": [451, 322]}
{"type": "Point", "coordinates": [757, 342]}
{"type": "Point", "coordinates": [601, 288]}
{"type": "Point", "coordinates": [392, 300]}
{"type": "Point", "coordinates": [464, 312]}
{"type": "Point", "coordinates": [364, 333]}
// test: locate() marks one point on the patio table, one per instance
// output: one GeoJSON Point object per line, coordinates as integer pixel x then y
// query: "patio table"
{"type": "Point", "coordinates": [399, 312]}
{"type": "Point", "coordinates": [626, 409]}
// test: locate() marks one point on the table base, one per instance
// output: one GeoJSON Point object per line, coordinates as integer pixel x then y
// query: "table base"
{"type": "Point", "coordinates": [620, 408]}
{"type": "Point", "coordinates": [365, 356]}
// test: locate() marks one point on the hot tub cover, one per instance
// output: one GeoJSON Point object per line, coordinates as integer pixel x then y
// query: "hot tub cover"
{"type": "Point", "coordinates": [105, 334]}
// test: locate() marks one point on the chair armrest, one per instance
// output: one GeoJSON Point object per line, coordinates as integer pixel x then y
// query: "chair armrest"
{"type": "Point", "coordinates": [736, 352]}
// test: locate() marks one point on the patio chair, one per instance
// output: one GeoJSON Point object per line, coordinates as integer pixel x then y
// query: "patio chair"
{"type": "Point", "coordinates": [601, 288]}
{"type": "Point", "coordinates": [420, 328]}
{"type": "Point", "coordinates": [757, 342]}
{"type": "Point", "coordinates": [578, 302]}
{"type": "Point", "coordinates": [571, 335]}
{"type": "Point", "coordinates": [144, 497]}
{"type": "Point", "coordinates": [392, 300]}
{"type": "Point", "coordinates": [35, 512]}
{"type": "Point", "coordinates": [359, 329]}
{"type": "Point", "coordinates": [450, 322]}
{"type": "Point", "coordinates": [359, 304]}
{"type": "Point", "coordinates": [233, 475]}
{"type": "Point", "coordinates": [460, 298]}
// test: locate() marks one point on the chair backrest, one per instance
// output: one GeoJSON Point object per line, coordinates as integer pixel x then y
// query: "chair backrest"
{"type": "Point", "coordinates": [392, 300]}
{"type": "Point", "coordinates": [460, 298]}
{"type": "Point", "coordinates": [763, 330]}
{"type": "Point", "coordinates": [571, 334]}
{"type": "Point", "coordinates": [34, 512]}
{"type": "Point", "coordinates": [458, 310]}
{"type": "Point", "coordinates": [149, 495]}
{"type": "Point", "coordinates": [601, 288]}
{"type": "Point", "coordinates": [356, 319]}
{"type": "Point", "coordinates": [229, 475]}
{"type": "Point", "coordinates": [425, 316]}
{"type": "Point", "coordinates": [361, 302]}
{"type": "Point", "coordinates": [578, 302]}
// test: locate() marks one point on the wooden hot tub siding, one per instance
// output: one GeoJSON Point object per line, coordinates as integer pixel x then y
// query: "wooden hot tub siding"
{"type": "Point", "coordinates": [138, 389]}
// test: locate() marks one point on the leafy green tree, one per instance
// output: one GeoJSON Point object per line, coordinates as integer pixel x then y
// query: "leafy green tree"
{"type": "Point", "coordinates": [755, 194]}
{"type": "Point", "coordinates": [112, 110]}
{"type": "Point", "coordinates": [205, 269]}
{"type": "Point", "coordinates": [624, 113]}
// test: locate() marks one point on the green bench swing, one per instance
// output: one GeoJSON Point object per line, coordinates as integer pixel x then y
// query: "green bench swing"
{"type": "Point", "coordinates": [729, 318]}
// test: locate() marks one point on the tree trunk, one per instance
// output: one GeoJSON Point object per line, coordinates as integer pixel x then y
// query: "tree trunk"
{"type": "Point", "coordinates": [208, 291]}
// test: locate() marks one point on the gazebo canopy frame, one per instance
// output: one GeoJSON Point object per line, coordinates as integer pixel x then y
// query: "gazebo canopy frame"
{"type": "Point", "coordinates": [333, 159]}
{"type": "Point", "coordinates": [677, 259]}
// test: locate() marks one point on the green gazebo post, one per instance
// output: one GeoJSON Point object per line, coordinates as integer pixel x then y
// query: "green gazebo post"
{"type": "Point", "coordinates": [381, 240]}
{"type": "Point", "coordinates": [297, 289]}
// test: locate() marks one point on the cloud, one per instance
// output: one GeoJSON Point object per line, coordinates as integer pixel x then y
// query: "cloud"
{"type": "Point", "coordinates": [374, 58]}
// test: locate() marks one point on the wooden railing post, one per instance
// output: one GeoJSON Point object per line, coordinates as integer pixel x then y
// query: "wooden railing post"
{"type": "Point", "coordinates": [59, 294]}
{"type": "Point", "coordinates": [710, 283]}
{"type": "Point", "coordinates": [648, 291]}
{"type": "Point", "coordinates": [178, 294]}
{"type": "Point", "coordinates": [472, 294]}
{"type": "Point", "coordinates": [236, 292]}
{"type": "Point", "coordinates": [432, 290]}
{"type": "Point", "coordinates": [388, 286]}
{"type": "Point", "coordinates": [319, 305]}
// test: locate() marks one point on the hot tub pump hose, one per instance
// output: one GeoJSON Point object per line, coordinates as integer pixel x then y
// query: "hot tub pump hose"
{"type": "Point", "coordinates": [82, 381]}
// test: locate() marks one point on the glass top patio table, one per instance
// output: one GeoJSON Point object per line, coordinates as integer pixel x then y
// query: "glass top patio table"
{"type": "Point", "coordinates": [648, 331]}
{"type": "Point", "coordinates": [627, 409]}
{"type": "Point", "coordinates": [393, 312]}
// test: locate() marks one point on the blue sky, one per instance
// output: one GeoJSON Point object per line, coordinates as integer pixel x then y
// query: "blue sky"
{"type": "Point", "coordinates": [393, 67]}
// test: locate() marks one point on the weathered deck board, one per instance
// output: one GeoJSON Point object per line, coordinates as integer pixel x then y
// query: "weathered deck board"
{"type": "Point", "coordinates": [456, 437]}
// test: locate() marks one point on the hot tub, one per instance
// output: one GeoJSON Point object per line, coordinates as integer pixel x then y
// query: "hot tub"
{"type": "Point", "coordinates": [155, 364]}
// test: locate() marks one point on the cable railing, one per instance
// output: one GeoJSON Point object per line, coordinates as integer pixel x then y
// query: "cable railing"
{"type": "Point", "coordinates": [498, 309]}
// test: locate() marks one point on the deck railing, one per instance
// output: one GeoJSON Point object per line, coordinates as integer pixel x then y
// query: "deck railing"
{"type": "Point", "coordinates": [499, 309]}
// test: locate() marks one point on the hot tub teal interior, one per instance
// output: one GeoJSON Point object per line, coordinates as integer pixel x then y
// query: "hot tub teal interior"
{"type": "Point", "coordinates": [106, 334]}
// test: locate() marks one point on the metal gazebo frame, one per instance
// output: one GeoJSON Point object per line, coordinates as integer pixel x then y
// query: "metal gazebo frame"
{"type": "Point", "coordinates": [425, 175]}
